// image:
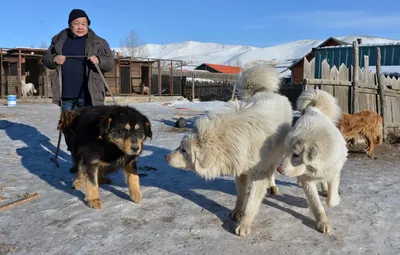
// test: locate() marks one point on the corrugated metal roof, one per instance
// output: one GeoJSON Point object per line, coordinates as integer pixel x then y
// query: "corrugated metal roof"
{"type": "Point", "coordinates": [337, 55]}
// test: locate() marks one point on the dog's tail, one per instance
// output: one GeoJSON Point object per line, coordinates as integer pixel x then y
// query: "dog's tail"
{"type": "Point", "coordinates": [258, 78]}
{"type": "Point", "coordinates": [322, 100]}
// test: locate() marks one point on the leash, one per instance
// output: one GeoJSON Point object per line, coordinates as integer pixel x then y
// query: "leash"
{"type": "Point", "coordinates": [60, 133]}
{"type": "Point", "coordinates": [60, 82]}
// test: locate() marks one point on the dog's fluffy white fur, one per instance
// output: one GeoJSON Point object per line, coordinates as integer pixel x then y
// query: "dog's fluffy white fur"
{"type": "Point", "coordinates": [27, 89]}
{"type": "Point", "coordinates": [315, 151]}
{"type": "Point", "coordinates": [245, 140]}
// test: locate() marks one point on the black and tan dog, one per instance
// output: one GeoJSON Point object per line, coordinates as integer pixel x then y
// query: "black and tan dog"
{"type": "Point", "coordinates": [105, 139]}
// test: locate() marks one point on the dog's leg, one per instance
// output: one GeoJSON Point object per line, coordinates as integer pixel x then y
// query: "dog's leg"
{"type": "Point", "coordinates": [241, 191]}
{"type": "Point", "coordinates": [92, 189]}
{"type": "Point", "coordinates": [132, 179]}
{"type": "Point", "coordinates": [310, 189]}
{"type": "Point", "coordinates": [333, 191]}
{"type": "Point", "coordinates": [79, 180]}
{"type": "Point", "coordinates": [371, 147]}
{"type": "Point", "coordinates": [273, 189]}
{"type": "Point", "coordinates": [258, 188]}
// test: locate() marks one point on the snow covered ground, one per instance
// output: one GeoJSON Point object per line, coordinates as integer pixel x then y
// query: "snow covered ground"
{"type": "Point", "coordinates": [180, 212]}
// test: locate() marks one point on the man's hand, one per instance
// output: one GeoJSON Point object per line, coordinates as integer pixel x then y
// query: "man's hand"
{"type": "Point", "coordinates": [59, 59]}
{"type": "Point", "coordinates": [94, 59]}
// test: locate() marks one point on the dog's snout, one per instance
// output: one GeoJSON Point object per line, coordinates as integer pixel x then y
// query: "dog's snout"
{"type": "Point", "coordinates": [168, 157]}
{"type": "Point", "coordinates": [135, 147]}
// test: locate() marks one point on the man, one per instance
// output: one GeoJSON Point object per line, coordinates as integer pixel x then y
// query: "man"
{"type": "Point", "coordinates": [76, 49]}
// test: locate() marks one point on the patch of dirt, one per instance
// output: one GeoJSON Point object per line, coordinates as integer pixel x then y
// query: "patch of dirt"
{"type": "Point", "coordinates": [387, 151]}
{"type": "Point", "coordinates": [26, 195]}
{"type": "Point", "coordinates": [7, 248]}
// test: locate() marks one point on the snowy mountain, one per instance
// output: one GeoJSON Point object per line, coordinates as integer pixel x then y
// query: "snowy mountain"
{"type": "Point", "coordinates": [195, 53]}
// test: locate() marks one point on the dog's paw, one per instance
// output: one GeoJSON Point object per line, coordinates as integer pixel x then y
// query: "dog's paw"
{"type": "Point", "coordinates": [235, 215]}
{"type": "Point", "coordinates": [273, 190]}
{"type": "Point", "coordinates": [243, 229]}
{"type": "Point", "coordinates": [136, 196]}
{"type": "Point", "coordinates": [104, 180]}
{"type": "Point", "coordinates": [324, 226]}
{"type": "Point", "coordinates": [94, 203]}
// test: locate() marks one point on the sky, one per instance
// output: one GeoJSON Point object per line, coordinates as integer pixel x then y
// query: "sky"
{"type": "Point", "coordinates": [258, 23]}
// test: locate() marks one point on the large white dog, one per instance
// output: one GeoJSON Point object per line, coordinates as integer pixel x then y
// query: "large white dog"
{"type": "Point", "coordinates": [244, 141]}
{"type": "Point", "coordinates": [315, 151]}
{"type": "Point", "coordinates": [27, 89]}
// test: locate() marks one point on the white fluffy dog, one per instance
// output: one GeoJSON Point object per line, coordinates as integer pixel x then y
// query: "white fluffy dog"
{"type": "Point", "coordinates": [27, 89]}
{"type": "Point", "coordinates": [244, 141]}
{"type": "Point", "coordinates": [315, 151]}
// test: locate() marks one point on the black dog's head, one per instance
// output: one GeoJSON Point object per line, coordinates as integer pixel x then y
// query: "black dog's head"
{"type": "Point", "coordinates": [127, 128]}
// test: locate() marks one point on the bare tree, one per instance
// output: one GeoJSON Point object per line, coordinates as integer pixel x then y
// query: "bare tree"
{"type": "Point", "coordinates": [132, 45]}
{"type": "Point", "coordinates": [43, 45]}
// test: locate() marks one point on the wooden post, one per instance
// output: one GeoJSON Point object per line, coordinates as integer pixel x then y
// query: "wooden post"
{"type": "Point", "coordinates": [1, 74]}
{"type": "Point", "coordinates": [181, 77]}
{"type": "Point", "coordinates": [171, 85]}
{"type": "Point", "coordinates": [116, 68]}
{"type": "Point", "coordinates": [192, 86]}
{"type": "Point", "coordinates": [159, 78]}
{"type": "Point", "coordinates": [149, 73]}
{"type": "Point", "coordinates": [19, 94]}
{"type": "Point", "coordinates": [46, 84]}
{"type": "Point", "coordinates": [130, 76]}
{"type": "Point", "coordinates": [233, 92]}
{"type": "Point", "coordinates": [355, 83]}
{"type": "Point", "coordinates": [381, 90]}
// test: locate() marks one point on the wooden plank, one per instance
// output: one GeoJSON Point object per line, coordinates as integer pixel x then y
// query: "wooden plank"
{"type": "Point", "coordinates": [306, 69]}
{"type": "Point", "coordinates": [368, 90]}
{"type": "Point", "coordinates": [343, 73]}
{"type": "Point", "coordinates": [381, 89]}
{"type": "Point", "coordinates": [366, 69]}
{"type": "Point", "coordinates": [355, 83]}
{"type": "Point", "coordinates": [325, 73]}
{"type": "Point", "coordinates": [326, 82]}
{"type": "Point", "coordinates": [334, 73]}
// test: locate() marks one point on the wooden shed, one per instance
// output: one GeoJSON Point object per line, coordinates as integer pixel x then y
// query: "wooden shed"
{"type": "Point", "coordinates": [297, 67]}
{"type": "Point", "coordinates": [28, 61]}
{"type": "Point", "coordinates": [129, 76]}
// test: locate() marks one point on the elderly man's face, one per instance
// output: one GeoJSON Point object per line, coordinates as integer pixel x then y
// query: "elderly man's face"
{"type": "Point", "coordinates": [79, 26]}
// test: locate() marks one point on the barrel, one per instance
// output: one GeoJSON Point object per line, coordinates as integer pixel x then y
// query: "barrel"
{"type": "Point", "coordinates": [11, 100]}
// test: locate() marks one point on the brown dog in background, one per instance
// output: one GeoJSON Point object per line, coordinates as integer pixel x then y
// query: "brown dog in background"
{"type": "Point", "coordinates": [365, 125]}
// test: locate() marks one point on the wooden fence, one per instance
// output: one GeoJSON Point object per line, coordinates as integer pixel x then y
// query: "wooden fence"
{"type": "Point", "coordinates": [207, 90]}
{"type": "Point", "coordinates": [358, 89]}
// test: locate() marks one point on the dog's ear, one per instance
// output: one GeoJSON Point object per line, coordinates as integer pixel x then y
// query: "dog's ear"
{"type": "Point", "coordinates": [147, 129]}
{"type": "Point", "coordinates": [66, 119]}
{"type": "Point", "coordinates": [105, 125]}
{"type": "Point", "coordinates": [203, 158]}
{"type": "Point", "coordinates": [206, 159]}
{"type": "Point", "coordinates": [311, 152]}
